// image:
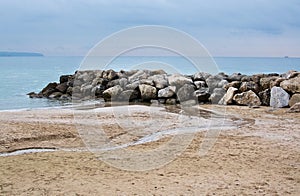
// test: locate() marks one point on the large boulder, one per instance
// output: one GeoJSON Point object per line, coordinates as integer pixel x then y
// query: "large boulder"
{"type": "Point", "coordinates": [167, 92]}
{"type": "Point", "coordinates": [279, 97]}
{"type": "Point", "coordinates": [247, 98]}
{"type": "Point", "coordinates": [186, 92]}
{"type": "Point", "coordinates": [64, 78]}
{"type": "Point", "coordinates": [235, 77]}
{"type": "Point", "coordinates": [294, 99]}
{"type": "Point", "coordinates": [179, 80]}
{"type": "Point", "coordinates": [292, 85]}
{"type": "Point", "coordinates": [265, 82]}
{"type": "Point", "coordinates": [228, 97]}
{"type": "Point", "coordinates": [217, 95]}
{"type": "Point", "coordinates": [112, 93]}
{"type": "Point", "coordinates": [235, 84]}
{"type": "Point", "coordinates": [110, 74]}
{"type": "Point", "coordinates": [49, 89]}
{"type": "Point", "coordinates": [62, 87]}
{"type": "Point", "coordinates": [251, 85]}
{"type": "Point", "coordinates": [147, 92]}
{"type": "Point", "coordinates": [139, 75]}
{"type": "Point", "coordinates": [129, 95]}
{"type": "Point", "coordinates": [132, 86]}
{"type": "Point", "coordinates": [295, 108]}
{"type": "Point", "coordinates": [265, 97]}
{"type": "Point", "coordinates": [201, 76]}
{"type": "Point", "coordinates": [160, 81]}
{"type": "Point", "coordinates": [214, 82]}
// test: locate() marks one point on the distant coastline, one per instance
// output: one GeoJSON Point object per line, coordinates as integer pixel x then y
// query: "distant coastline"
{"type": "Point", "coordinates": [16, 54]}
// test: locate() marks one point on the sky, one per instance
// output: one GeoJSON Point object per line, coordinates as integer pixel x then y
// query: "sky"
{"type": "Point", "coordinates": [224, 27]}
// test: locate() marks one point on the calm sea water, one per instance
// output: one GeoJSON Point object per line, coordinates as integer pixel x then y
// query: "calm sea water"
{"type": "Point", "coordinates": [20, 75]}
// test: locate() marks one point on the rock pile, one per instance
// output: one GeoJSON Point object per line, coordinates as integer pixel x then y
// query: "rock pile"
{"type": "Point", "coordinates": [276, 90]}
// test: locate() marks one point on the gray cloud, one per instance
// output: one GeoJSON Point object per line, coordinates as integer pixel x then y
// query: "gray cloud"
{"type": "Point", "coordinates": [79, 24]}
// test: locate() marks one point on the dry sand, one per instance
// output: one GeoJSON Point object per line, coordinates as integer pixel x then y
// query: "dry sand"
{"type": "Point", "coordinates": [260, 155]}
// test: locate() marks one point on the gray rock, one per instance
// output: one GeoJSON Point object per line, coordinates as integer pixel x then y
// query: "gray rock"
{"type": "Point", "coordinates": [86, 89]}
{"type": "Point", "coordinates": [202, 95]}
{"type": "Point", "coordinates": [147, 92]}
{"type": "Point", "coordinates": [123, 82]}
{"type": "Point", "coordinates": [186, 92]}
{"type": "Point", "coordinates": [235, 77]}
{"type": "Point", "coordinates": [291, 85]}
{"type": "Point", "coordinates": [200, 84]}
{"type": "Point", "coordinates": [179, 80]}
{"type": "Point", "coordinates": [246, 86]}
{"type": "Point", "coordinates": [294, 99]}
{"type": "Point", "coordinates": [160, 81]}
{"type": "Point", "coordinates": [201, 76]}
{"type": "Point", "coordinates": [247, 98]}
{"type": "Point", "coordinates": [129, 95]}
{"type": "Point", "coordinates": [217, 95]}
{"type": "Point", "coordinates": [213, 82]}
{"type": "Point", "coordinates": [132, 86]}
{"type": "Point", "coordinates": [265, 97]}
{"type": "Point", "coordinates": [141, 74]}
{"type": "Point", "coordinates": [112, 93]}
{"type": "Point", "coordinates": [228, 97]}
{"type": "Point", "coordinates": [113, 83]}
{"type": "Point", "coordinates": [147, 81]}
{"type": "Point", "coordinates": [279, 97]}
{"type": "Point", "coordinates": [167, 92]}
{"type": "Point", "coordinates": [295, 108]}
{"type": "Point", "coordinates": [222, 84]}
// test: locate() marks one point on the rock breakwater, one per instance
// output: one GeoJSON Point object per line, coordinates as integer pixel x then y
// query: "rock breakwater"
{"type": "Point", "coordinates": [276, 90]}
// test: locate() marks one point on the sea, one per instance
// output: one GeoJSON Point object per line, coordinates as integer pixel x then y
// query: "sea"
{"type": "Point", "coordinates": [21, 75]}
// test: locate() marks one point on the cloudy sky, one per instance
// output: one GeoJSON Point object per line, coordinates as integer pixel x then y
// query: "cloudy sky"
{"type": "Point", "coordinates": [224, 27]}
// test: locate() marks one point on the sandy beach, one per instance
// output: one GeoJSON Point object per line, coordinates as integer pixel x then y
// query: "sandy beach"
{"type": "Point", "coordinates": [260, 154]}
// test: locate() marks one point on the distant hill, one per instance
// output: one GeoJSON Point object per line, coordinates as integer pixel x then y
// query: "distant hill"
{"type": "Point", "coordinates": [5, 54]}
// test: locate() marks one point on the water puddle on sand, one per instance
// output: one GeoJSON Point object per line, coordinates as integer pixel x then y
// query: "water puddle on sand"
{"type": "Point", "coordinates": [27, 151]}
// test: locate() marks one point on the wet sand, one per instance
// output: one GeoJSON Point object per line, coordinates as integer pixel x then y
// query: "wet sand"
{"type": "Point", "coordinates": [258, 152]}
